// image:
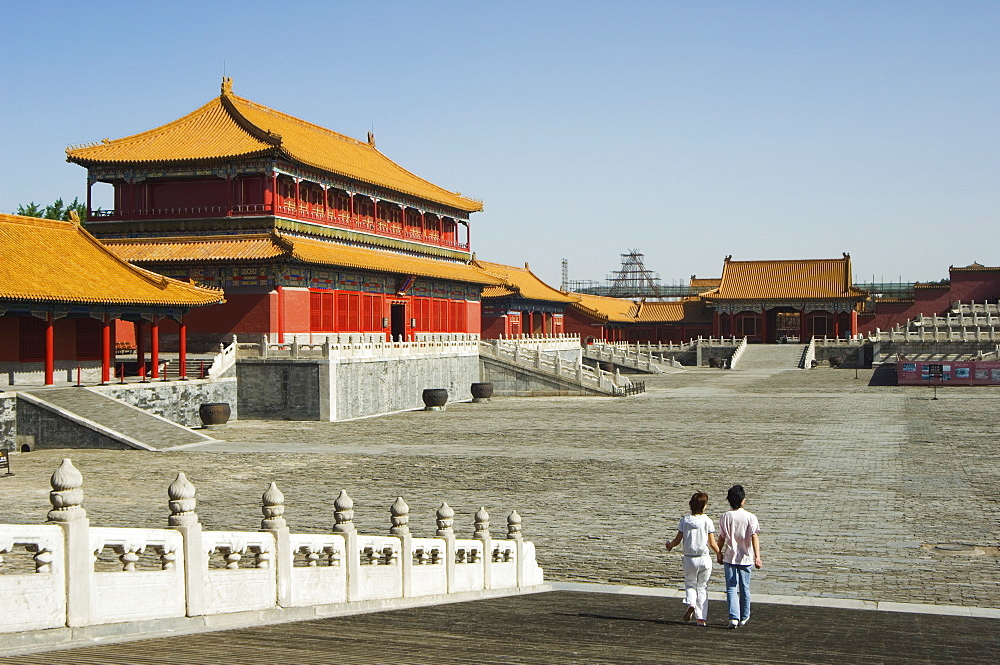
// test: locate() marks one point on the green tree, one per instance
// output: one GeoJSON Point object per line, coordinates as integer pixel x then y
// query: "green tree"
{"type": "Point", "coordinates": [57, 210]}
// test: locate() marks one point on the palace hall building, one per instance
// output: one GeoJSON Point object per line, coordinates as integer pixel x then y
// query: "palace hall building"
{"type": "Point", "coordinates": [61, 294]}
{"type": "Point", "coordinates": [766, 301]}
{"type": "Point", "coordinates": [306, 230]}
{"type": "Point", "coordinates": [522, 304]}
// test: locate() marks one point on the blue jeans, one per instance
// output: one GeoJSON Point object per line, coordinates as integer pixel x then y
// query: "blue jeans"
{"type": "Point", "coordinates": [738, 591]}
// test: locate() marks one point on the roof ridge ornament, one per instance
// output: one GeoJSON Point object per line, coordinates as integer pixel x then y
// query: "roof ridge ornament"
{"type": "Point", "coordinates": [227, 85]}
{"type": "Point", "coordinates": [371, 139]}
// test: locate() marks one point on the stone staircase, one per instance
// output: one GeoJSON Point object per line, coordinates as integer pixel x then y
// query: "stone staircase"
{"type": "Point", "coordinates": [771, 356]}
{"type": "Point", "coordinates": [80, 417]}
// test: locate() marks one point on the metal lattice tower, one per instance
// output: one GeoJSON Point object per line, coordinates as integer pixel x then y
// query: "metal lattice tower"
{"type": "Point", "coordinates": [565, 276]}
{"type": "Point", "coordinates": [634, 279]}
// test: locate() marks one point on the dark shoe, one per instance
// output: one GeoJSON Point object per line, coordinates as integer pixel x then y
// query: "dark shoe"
{"type": "Point", "coordinates": [688, 614]}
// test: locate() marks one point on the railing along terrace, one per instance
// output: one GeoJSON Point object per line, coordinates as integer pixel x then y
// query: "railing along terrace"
{"type": "Point", "coordinates": [808, 360]}
{"type": "Point", "coordinates": [368, 223]}
{"type": "Point", "coordinates": [550, 362]}
{"type": "Point", "coordinates": [823, 340]}
{"type": "Point", "coordinates": [359, 350]}
{"type": "Point", "coordinates": [939, 334]}
{"type": "Point", "coordinates": [67, 573]}
{"type": "Point", "coordinates": [741, 348]}
{"type": "Point", "coordinates": [627, 357]}
{"type": "Point", "coordinates": [561, 341]}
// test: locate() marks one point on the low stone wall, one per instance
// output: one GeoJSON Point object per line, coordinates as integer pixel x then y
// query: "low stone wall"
{"type": "Point", "coordinates": [850, 356]}
{"type": "Point", "coordinates": [886, 348]}
{"type": "Point", "coordinates": [177, 401]}
{"type": "Point", "coordinates": [8, 421]}
{"type": "Point", "coordinates": [348, 388]}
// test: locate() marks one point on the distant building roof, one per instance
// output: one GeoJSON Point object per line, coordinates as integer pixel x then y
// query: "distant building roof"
{"type": "Point", "coordinates": [604, 308]}
{"type": "Point", "coordinates": [522, 282]}
{"type": "Point", "coordinates": [705, 282]}
{"type": "Point", "coordinates": [305, 250]}
{"type": "Point", "coordinates": [230, 127]}
{"type": "Point", "coordinates": [781, 279]}
{"type": "Point", "coordinates": [688, 310]}
{"type": "Point", "coordinates": [48, 260]}
{"type": "Point", "coordinates": [975, 266]}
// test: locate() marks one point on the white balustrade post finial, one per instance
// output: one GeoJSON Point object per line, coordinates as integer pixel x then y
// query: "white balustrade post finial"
{"type": "Point", "coordinates": [67, 494]}
{"type": "Point", "coordinates": [399, 516]}
{"type": "Point", "coordinates": [514, 533]}
{"type": "Point", "coordinates": [272, 506]}
{"type": "Point", "coordinates": [182, 502]}
{"type": "Point", "coordinates": [482, 534]}
{"type": "Point", "coordinates": [513, 526]}
{"type": "Point", "coordinates": [66, 497]}
{"type": "Point", "coordinates": [183, 518]}
{"type": "Point", "coordinates": [445, 520]}
{"type": "Point", "coordinates": [343, 515]}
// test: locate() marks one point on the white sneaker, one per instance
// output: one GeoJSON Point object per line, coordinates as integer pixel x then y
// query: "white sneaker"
{"type": "Point", "coordinates": [733, 623]}
{"type": "Point", "coordinates": [744, 622]}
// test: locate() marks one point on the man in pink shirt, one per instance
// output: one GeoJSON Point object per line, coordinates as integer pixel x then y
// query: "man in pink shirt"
{"type": "Point", "coordinates": [738, 531]}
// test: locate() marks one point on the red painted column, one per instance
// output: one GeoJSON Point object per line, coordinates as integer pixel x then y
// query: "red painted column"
{"type": "Point", "coordinates": [50, 351]}
{"type": "Point", "coordinates": [89, 199]}
{"type": "Point", "coordinates": [326, 204]}
{"type": "Point", "coordinates": [763, 324]}
{"type": "Point", "coordinates": [716, 324]}
{"type": "Point", "coordinates": [154, 348]}
{"type": "Point", "coordinates": [182, 343]}
{"type": "Point", "coordinates": [354, 220]}
{"type": "Point", "coordinates": [106, 349]}
{"type": "Point", "coordinates": [274, 192]}
{"type": "Point", "coordinates": [140, 350]}
{"type": "Point", "coordinates": [836, 324]}
{"type": "Point", "coordinates": [802, 325]}
{"type": "Point", "coordinates": [854, 323]}
{"type": "Point", "coordinates": [298, 200]}
{"type": "Point", "coordinates": [281, 316]}
{"type": "Point", "coordinates": [229, 195]}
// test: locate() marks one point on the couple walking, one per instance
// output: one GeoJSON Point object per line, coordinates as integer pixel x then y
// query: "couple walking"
{"type": "Point", "coordinates": [738, 531]}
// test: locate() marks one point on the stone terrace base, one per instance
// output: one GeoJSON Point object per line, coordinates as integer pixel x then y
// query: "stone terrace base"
{"type": "Point", "coordinates": [571, 627]}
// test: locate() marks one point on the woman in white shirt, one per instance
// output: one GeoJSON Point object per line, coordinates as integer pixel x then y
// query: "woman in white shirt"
{"type": "Point", "coordinates": [697, 533]}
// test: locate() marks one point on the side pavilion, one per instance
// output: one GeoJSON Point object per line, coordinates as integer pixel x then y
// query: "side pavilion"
{"type": "Point", "coordinates": [770, 300]}
{"type": "Point", "coordinates": [61, 291]}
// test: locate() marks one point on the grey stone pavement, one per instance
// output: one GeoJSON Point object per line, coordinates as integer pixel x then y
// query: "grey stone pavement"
{"type": "Point", "coordinates": [856, 486]}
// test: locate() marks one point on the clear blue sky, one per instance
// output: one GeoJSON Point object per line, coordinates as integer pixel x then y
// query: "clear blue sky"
{"type": "Point", "coordinates": [688, 130]}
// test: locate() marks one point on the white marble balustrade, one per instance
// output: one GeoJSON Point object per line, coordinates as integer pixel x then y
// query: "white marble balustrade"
{"type": "Point", "coordinates": [70, 574]}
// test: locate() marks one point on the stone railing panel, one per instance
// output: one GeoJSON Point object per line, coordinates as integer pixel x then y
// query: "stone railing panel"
{"type": "Point", "coordinates": [380, 571]}
{"type": "Point", "coordinates": [469, 557]}
{"type": "Point", "coordinates": [428, 573]}
{"type": "Point", "coordinates": [143, 576]}
{"type": "Point", "coordinates": [32, 577]}
{"type": "Point", "coordinates": [241, 572]}
{"type": "Point", "coordinates": [503, 564]}
{"type": "Point", "coordinates": [319, 573]}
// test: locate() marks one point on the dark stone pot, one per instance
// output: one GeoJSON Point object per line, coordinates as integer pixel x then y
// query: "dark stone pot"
{"type": "Point", "coordinates": [717, 362]}
{"type": "Point", "coordinates": [215, 414]}
{"type": "Point", "coordinates": [435, 398]}
{"type": "Point", "coordinates": [835, 361]}
{"type": "Point", "coordinates": [482, 392]}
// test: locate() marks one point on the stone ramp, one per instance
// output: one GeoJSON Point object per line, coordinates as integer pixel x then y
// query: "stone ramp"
{"type": "Point", "coordinates": [90, 419]}
{"type": "Point", "coordinates": [771, 356]}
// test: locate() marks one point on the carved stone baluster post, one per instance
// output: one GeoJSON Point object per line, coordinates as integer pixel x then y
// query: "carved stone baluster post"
{"type": "Point", "coordinates": [514, 533]}
{"type": "Point", "coordinates": [272, 506]}
{"type": "Point", "coordinates": [66, 497]}
{"type": "Point", "coordinates": [399, 514]}
{"type": "Point", "coordinates": [183, 518]}
{"type": "Point", "coordinates": [344, 524]}
{"type": "Point", "coordinates": [445, 520]}
{"type": "Point", "coordinates": [482, 534]}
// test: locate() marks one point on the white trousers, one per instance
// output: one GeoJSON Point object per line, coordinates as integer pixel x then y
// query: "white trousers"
{"type": "Point", "coordinates": [697, 570]}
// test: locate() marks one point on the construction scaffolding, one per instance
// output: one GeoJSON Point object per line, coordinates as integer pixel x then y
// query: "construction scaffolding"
{"type": "Point", "coordinates": [632, 281]}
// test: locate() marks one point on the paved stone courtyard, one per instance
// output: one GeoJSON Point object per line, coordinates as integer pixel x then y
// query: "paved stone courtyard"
{"type": "Point", "coordinates": [854, 484]}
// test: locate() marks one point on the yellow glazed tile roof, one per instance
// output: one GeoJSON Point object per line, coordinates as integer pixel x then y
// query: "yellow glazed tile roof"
{"type": "Point", "coordinates": [800, 278]}
{"type": "Point", "coordinates": [705, 282]}
{"type": "Point", "coordinates": [53, 261]}
{"type": "Point", "coordinates": [305, 250]}
{"type": "Point", "coordinates": [521, 281]}
{"type": "Point", "coordinates": [691, 310]}
{"type": "Point", "coordinates": [614, 310]}
{"type": "Point", "coordinates": [230, 126]}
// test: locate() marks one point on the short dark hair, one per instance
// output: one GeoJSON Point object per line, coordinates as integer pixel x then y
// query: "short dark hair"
{"type": "Point", "coordinates": [736, 496]}
{"type": "Point", "coordinates": [698, 502]}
